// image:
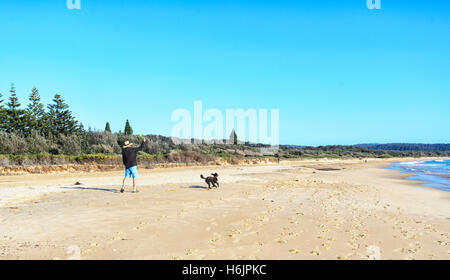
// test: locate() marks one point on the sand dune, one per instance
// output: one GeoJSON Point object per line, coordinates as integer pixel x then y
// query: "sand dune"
{"type": "Point", "coordinates": [328, 209]}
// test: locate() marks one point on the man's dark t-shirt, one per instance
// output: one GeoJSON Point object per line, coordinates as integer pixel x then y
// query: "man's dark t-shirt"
{"type": "Point", "coordinates": [129, 156]}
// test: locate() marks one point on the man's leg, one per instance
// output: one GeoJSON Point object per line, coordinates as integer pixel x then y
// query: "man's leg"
{"type": "Point", "coordinates": [127, 174]}
{"type": "Point", "coordinates": [134, 174]}
{"type": "Point", "coordinates": [123, 185]}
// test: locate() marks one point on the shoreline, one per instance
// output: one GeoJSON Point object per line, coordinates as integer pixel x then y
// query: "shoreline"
{"type": "Point", "coordinates": [316, 209]}
{"type": "Point", "coordinates": [419, 176]}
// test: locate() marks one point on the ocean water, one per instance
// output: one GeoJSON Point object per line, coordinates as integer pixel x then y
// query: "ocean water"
{"type": "Point", "coordinates": [435, 173]}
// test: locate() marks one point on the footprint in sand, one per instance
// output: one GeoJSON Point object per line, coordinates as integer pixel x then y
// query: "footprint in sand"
{"type": "Point", "coordinates": [119, 236]}
{"type": "Point", "coordinates": [446, 235]}
{"type": "Point", "coordinates": [263, 218]}
{"type": "Point", "coordinates": [212, 242]}
{"type": "Point", "coordinates": [191, 252]}
{"type": "Point", "coordinates": [86, 251]}
{"type": "Point", "coordinates": [234, 237]}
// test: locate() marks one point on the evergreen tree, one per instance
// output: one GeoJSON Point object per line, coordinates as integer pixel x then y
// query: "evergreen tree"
{"type": "Point", "coordinates": [3, 115]}
{"type": "Point", "coordinates": [128, 130]}
{"type": "Point", "coordinates": [35, 112]}
{"type": "Point", "coordinates": [15, 122]}
{"type": "Point", "coordinates": [107, 128]}
{"type": "Point", "coordinates": [233, 137]}
{"type": "Point", "coordinates": [13, 99]}
{"type": "Point", "coordinates": [60, 119]}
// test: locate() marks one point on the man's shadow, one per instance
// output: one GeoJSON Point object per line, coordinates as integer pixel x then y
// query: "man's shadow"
{"type": "Point", "coordinates": [92, 189]}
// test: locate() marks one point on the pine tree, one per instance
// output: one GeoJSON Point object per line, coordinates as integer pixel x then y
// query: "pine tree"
{"type": "Point", "coordinates": [128, 130]}
{"type": "Point", "coordinates": [3, 115]}
{"type": "Point", "coordinates": [60, 118]}
{"type": "Point", "coordinates": [233, 137]}
{"type": "Point", "coordinates": [35, 112]}
{"type": "Point", "coordinates": [15, 121]}
{"type": "Point", "coordinates": [107, 128]}
{"type": "Point", "coordinates": [13, 99]}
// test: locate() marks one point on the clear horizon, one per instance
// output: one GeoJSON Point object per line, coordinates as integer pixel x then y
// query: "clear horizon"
{"type": "Point", "coordinates": [339, 73]}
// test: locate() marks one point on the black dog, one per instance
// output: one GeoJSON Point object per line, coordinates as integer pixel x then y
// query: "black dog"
{"type": "Point", "coordinates": [212, 180]}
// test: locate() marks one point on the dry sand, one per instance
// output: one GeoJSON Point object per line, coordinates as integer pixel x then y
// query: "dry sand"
{"type": "Point", "coordinates": [327, 209]}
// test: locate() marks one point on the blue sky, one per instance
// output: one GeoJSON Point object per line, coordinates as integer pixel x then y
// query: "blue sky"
{"type": "Point", "coordinates": [338, 72]}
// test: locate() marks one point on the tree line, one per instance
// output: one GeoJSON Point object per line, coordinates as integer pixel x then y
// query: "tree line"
{"type": "Point", "coordinates": [407, 147]}
{"type": "Point", "coordinates": [38, 129]}
{"type": "Point", "coordinates": [51, 129]}
{"type": "Point", "coordinates": [54, 119]}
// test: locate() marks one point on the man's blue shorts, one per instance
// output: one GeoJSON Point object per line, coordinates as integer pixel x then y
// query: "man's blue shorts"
{"type": "Point", "coordinates": [132, 171]}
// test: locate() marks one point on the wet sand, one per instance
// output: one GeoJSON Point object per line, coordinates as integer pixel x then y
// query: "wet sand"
{"type": "Point", "coordinates": [327, 209]}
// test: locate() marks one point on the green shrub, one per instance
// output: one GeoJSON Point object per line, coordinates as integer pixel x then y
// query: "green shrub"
{"type": "Point", "coordinates": [103, 142]}
{"type": "Point", "coordinates": [102, 149]}
{"type": "Point", "coordinates": [70, 144]}
{"type": "Point", "coordinates": [37, 144]}
{"type": "Point", "coordinates": [11, 143]}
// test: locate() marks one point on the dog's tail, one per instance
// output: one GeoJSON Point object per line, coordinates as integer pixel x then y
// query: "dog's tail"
{"type": "Point", "coordinates": [201, 176]}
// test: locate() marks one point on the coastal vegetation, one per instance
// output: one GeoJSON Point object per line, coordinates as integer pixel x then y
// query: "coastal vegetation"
{"type": "Point", "coordinates": [48, 135]}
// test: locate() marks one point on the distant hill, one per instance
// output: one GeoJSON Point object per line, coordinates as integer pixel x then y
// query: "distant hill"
{"type": "Point", "coordinates": [294, 146]}
{"type": "Point", "coordinates": [406, 147]}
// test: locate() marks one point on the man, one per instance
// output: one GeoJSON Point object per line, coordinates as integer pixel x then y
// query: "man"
{"type": "Point", "coordinates": [129, 160]}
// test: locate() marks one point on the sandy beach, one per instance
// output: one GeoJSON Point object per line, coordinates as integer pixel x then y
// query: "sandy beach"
{"type": "Point", "coordinates": [317, 209]}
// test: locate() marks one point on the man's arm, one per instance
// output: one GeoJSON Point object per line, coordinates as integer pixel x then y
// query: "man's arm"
{"type": "Point", "coordinates": [141, 147]}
